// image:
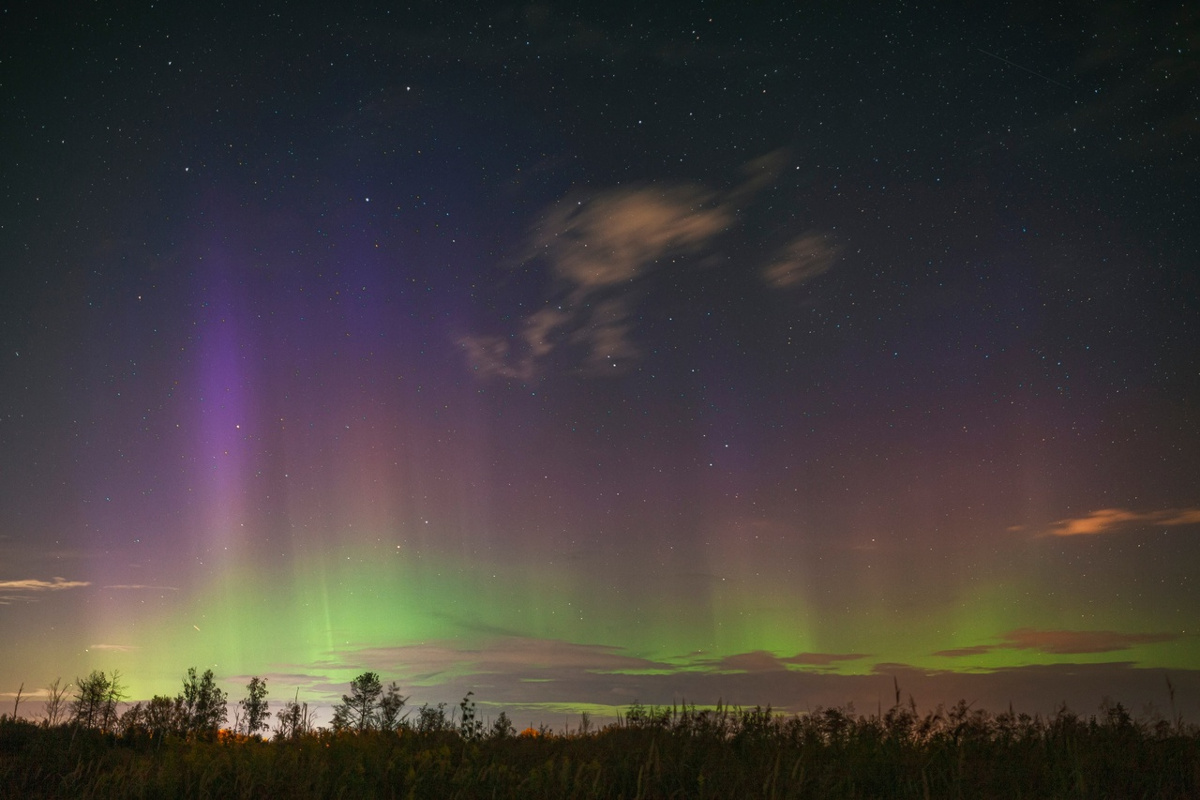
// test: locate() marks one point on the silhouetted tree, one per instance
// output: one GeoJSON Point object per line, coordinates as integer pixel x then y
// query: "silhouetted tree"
{"type": "Point", "coordinates": [130, 723]}
{"type": "Point", "coordinates": [154, 719]}
{"type": "Point", "coordinates": [204, 704]}
{"type": "Point", "coordinates": [433, 719]}
{"type": "Point", "coordinates": [359, 710]}
{"type": "Point", "coordinates": [165, 715]}
{"type": "Point", "coordinates": [502, 728]}
{"type": "Point", "coordinates": [56, 703]}
{"type": "Point", "coordinates": [470, 727]}
{"type": "Point", "coordinates": [17, 702]}
{"type": "Point", "coordinates": [294, 719]}
{"type": "Point", "coordinates": [96, 698]}
{"type": "Point", "coordinates": [255, 706]}
{"type": "Point", "coordinates": [390, 705]}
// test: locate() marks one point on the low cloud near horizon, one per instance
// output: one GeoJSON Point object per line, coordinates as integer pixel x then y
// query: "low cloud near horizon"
{"type": "Point", "coordinates": [538, 675]}
{"type": "Point", "coordinates": [1062, 642]}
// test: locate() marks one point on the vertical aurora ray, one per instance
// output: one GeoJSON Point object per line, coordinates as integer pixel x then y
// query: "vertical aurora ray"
{"type": "Point", "coordinates": [221, 451]}
{"type": "Point", "coordinates": [225, 449]}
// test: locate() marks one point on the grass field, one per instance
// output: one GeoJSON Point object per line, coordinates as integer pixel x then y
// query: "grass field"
{"type": "Point", "coordinates": [650, 753]}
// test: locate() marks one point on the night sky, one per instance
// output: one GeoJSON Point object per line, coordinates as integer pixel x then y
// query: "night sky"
{"type": "Point", "coordinates": [756, 352]}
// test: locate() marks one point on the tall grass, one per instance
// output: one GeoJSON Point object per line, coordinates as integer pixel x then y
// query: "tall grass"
{"type": "Point", "coordinates": [650, 753]}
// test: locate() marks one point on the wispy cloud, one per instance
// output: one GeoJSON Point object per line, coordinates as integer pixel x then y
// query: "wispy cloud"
{"type": "Point", "coordinates": [1107, 520]}
{"type": "Point", "coordinates": [965, 652]}
{"type": "Point", "coordinates": [134, 586]}
{"type": "Point", "coordinates": [763, 661]}
{"type": "Point", "coordinates": [498, 356]}
{"type": "Point", "coordinates": [1062, 642]}
{"type": "Point", "coordinates": [823, 659]}
{"type": "Point", "coordinates": [606, 336]}
{"type": "Point", "coordinates": [37, 585]}
{"type": "Point", "coordinates": [27, 590]}
{"type": "Point", "coordinates": [494, 356]}
{"type": "Point", "coordinates": [756, 661]}
{"type": "Point", "coordinates": [1071, 642]}
{"type": "Point", "coordinates": [531, 678]}
{"type": "Point", "coordinates": [524, 656]}
{"type": "Point", "coordinates": [761, 172]}
{"type": "Point", "coordinates": [616, 235]}
{"type": "Point", "coordinates": [807, 256]}
{"type": "Point", "coordinates": [597, 248]}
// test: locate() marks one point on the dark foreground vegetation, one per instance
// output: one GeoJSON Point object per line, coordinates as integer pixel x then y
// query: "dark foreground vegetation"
{"type": "Point", "coordinates": [650, 753]}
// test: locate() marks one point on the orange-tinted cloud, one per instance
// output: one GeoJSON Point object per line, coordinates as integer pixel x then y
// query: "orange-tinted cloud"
{"type": "Point", "coordinates": [495, 356]}
{"type": "Point", "coordinates": [761, 172]}
{"type": "Point", "coordinates": [1106, 520]}
{"type": "Point", "coordinates": [597, 248]}
{"type": "Point", "coordinates": [804, 258]}
{"type": "Point", "coordinates": [26, 590]}
{"type": "Point", "coordinates": [616, 235]}
{"type": "Point", "coordinates": [606, 335]}
{"type": "Point", "coordinates": [36, 585]}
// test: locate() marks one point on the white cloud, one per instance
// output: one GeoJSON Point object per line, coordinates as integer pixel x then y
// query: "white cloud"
{"type": "Point", "coordinates": [113, 648]}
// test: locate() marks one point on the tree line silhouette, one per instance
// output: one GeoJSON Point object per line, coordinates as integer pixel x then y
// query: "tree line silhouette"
{"type": "Point", "coordinates": [377, 745]}
{"type": "Point", "coordinates": [197, 712]}
{"type": "Point", "coordinates": [201, 710]}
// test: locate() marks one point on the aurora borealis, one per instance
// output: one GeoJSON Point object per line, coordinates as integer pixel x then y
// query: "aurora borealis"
{"type": "Point", "coordinates": [764, 353]}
